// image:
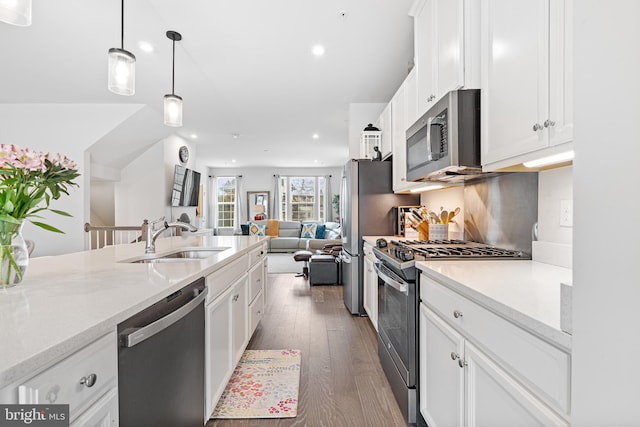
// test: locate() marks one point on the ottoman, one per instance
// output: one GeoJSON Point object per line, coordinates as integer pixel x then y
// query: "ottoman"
{"type": "Point", "coordinates": [323, 270]}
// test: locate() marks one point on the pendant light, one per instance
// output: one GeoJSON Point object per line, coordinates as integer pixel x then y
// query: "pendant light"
{"type": "Point", "coordinates": [173, 102]}
{"type": "Point", "coordinates": [16, 12]}
{"type": "Point", "coordinates": [122, 65]}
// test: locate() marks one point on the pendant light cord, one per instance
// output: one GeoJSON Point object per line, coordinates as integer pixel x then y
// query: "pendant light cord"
{"type": "Point", "coordinates": [122, 25]}
{"type": "Point", "coordinates": [173, 67]}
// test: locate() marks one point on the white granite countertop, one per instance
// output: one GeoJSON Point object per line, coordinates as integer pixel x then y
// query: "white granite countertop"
{"type": "Point", "coordinates": [524, 292]}
{"type": "Point", "coordinates": [67, 301]}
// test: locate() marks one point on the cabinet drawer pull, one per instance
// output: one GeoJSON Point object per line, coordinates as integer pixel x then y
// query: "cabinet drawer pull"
{"type": "Point", "coordinates": [89, 380]}
{"type": "Point", "coordinates": [548, 123]}
{"type": "Point", "coordinates": [537, 127]}
{"type": "Point", "coordinates": [52, 394]}
{"type": "Point", "coordinates": [457, 314]}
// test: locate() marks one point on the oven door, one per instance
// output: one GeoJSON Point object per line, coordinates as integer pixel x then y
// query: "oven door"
{"type": "Point", "coordinates": [397, 320]}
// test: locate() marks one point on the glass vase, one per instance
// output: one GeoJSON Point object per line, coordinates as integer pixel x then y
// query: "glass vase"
{"type": "Point", "coordinates": [14, 253]}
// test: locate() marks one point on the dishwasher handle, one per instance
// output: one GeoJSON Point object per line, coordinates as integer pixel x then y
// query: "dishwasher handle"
{"type": "Point", "coordinates": [128, 340]}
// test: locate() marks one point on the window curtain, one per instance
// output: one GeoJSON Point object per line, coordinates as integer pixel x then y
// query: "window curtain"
{"type": "Point", "coordinates": [240, 206]}
{"type": "Point", "coordinates": [275, 208]}
{"type": "Point", "coordinates": [328, 204]}
{"type": "Point", "coordinates": [211, 202]}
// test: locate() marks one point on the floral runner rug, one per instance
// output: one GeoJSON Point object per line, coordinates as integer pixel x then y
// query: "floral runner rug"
{"type": "Point", "coordinates": [264, 385]}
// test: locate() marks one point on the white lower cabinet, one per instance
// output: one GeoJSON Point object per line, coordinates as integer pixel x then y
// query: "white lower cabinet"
{"type": "Point", "coordinates": [239, 319]}
{"type": "Point", "coordinates": [441, 380]}
{"type": "Point", "coordinates": [370, 286]}
{"type": "Point", "coordinates": [480, 370]}
{"type": "Point", "coordinates": [494, 398]}
{"type": "Point", "coordinates": [104, 413]}
{"type": "Point", "coordinates": [226, 336]}
{"type": "Point", "coordinates": [218, 363]}
{"type": "Point", "coordinates": [86, 380]}
{"type": "Point", "coordinates": [231, 317]}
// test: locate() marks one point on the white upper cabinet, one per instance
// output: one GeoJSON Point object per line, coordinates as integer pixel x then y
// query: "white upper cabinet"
{"type": "Point", "coordinates": [446, 47]}
{"type": "Point", "coordinates": [403, 110]}
{"type": "Point", "coordinates": [526, 80]}
{"type": "Point", "coordinates": [424, 56]}
{"type": "Point", "coordinates": [386, 127]}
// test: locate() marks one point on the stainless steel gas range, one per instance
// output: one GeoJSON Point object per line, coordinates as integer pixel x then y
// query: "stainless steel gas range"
{"type": "Point", "coordinates": [398, 301]}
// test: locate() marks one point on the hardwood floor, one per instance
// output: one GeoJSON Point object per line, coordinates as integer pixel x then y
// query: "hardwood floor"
{"type": "Point", "coordinates": [341, 380]}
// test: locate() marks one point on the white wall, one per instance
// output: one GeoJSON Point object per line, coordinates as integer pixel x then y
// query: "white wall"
{"type": "Point", "coordinates": [554, 185]}
{"type": "Point", "coordinates": [144, 189]}
{"type": "Point", "coordinates": [69, 129]}
{"type": "Point", "coordinates": [102, 203]}
{"type": "Point", "coordinates": [171, 147]}
{"type": "Point", "coordinates": [141, 192]}
{"type": "Point", "coordinates": [606, 291]}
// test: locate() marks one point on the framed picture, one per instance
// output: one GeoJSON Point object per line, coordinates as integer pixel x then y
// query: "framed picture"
{"type": "Point", "coordinates": [257, 205]}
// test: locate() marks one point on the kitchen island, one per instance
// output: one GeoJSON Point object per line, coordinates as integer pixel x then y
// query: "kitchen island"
{"type": "Point", "coordinates": [67, 302]}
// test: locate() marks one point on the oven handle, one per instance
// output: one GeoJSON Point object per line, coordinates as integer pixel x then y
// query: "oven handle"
{"type": "Point", "coordinates": [398, 286]}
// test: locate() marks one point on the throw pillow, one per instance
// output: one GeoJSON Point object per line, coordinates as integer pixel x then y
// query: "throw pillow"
{"type": "Point", "coordinates": [320, 229]}
{"type": "Point", "coordinates": [331, 235]}
{"type": "Point", "coordinates": [273, 228]}
{"type": "Point", "coordinates": [256, 229]}
{"type": "Point", "coordinates": [308, 230]}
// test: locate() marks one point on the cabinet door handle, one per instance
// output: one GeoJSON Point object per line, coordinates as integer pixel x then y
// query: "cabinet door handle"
{"type": "Point", "coordinates": [457, 314]}
{"type": "Point", "coordinates": [548, 123]}
{"type": "Point", "coordinates": [454, 355]}
{"type": "Point", "coordinates": [537, 127]}
{"type": "Point", "coordinates": [235, 297]}
{"type": "Point", "coordinates": [462, 363]}
{"type": "Point", "coordinates": [89, 380]}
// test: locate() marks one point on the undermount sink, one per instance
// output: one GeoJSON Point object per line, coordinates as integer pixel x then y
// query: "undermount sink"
{"type": "Point", "coordinates": [183, 255]}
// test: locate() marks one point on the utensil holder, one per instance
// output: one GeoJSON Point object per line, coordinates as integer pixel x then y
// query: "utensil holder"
{"type": "Point", "coordinates": [438, 231]}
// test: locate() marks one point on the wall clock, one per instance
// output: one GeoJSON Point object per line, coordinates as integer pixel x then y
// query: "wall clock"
{"type": "Point", "coordinates": [183, 154]}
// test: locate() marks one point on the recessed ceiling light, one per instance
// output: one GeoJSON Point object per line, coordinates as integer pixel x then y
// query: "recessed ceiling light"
{"type": "Point", "coordinates": [235, 135]}
{"type": "Point", "coordinates": [318, 50]}
{"type": "Point", "coordinates": [194, 136]}
{"type": "Point", "coordinates": [315, 161]}
{"type": "Point", "coordinates": [316, 136]}
{"type": "Point", "coordinates": [233, 160]}
{"type": "Point", "coordinates": [145, 46]}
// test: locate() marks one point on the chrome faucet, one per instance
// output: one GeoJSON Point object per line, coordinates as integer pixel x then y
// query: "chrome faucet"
{"type": "Point", "coordinates": [150, 247]}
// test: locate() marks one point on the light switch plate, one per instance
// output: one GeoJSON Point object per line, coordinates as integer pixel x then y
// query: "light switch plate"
{"type": "Point", "coordinates": [566, 213]}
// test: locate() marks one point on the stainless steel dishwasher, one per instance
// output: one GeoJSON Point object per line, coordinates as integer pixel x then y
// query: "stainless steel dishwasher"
{"type": "Point", "coordinates": [161, 362]}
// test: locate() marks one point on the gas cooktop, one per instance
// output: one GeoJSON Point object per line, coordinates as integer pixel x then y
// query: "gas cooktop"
{"type": "Point", "coordinates": [402, 254]}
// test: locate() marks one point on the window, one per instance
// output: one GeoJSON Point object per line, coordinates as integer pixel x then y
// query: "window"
{"type": "Point", "coordinates": [225, 202]}
{"type": "Point", "coordinates": [302, 198]}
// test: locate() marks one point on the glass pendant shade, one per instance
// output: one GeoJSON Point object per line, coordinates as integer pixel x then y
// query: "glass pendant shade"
{"type": "Point", "coordinates": [173, 110]}
{"type": "Point", "coordinates": [16, 12]}
{"type": "Point", "coordinates": [122, 72]}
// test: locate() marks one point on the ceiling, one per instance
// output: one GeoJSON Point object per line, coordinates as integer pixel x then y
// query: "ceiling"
{"type": "Point", "coordinates": [254, 94]}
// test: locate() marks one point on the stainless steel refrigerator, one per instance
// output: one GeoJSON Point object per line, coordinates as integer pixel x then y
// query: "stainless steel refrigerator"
{"type": "Point", "coordinates": [366, 209]}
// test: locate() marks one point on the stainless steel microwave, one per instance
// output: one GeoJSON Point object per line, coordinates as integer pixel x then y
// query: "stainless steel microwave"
{"type": "Point", "coordinates": [444, 144]}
